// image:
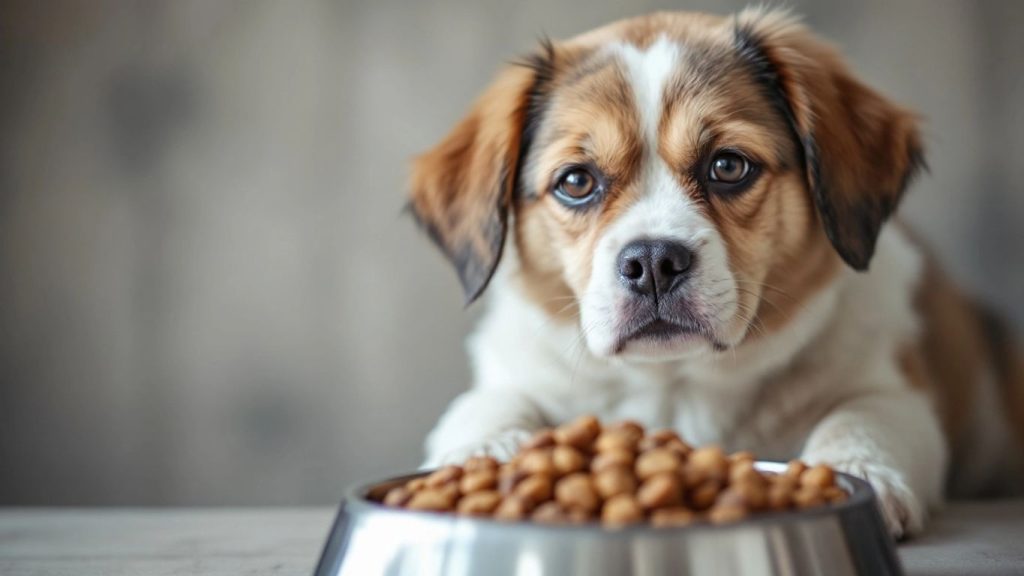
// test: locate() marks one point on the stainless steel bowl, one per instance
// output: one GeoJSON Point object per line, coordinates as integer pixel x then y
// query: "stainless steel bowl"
{"type": "Point", "coordinates": [369, 539]}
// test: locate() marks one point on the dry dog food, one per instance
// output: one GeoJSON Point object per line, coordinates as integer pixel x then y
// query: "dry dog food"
{"type": "Point", "coordinates": [620, 475]}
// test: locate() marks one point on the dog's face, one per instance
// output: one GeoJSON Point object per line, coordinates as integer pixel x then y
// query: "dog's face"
{"type": "Point", "coordinates": [680, 183]}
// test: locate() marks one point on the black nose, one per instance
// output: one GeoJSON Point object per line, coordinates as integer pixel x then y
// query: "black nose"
{"type": "Point", "coordinates": [653, 267]}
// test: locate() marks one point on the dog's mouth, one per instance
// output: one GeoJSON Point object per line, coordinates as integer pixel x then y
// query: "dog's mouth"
{"type": "Point", "coordinates": [665, 332]}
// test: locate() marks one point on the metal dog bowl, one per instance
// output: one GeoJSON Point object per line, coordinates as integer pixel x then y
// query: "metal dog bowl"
{"type": "Point", "coordinates": [369, 539]}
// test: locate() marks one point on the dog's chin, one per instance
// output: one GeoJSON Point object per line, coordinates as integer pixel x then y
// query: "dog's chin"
{"type": "Point", "coordinates": [660, 340]}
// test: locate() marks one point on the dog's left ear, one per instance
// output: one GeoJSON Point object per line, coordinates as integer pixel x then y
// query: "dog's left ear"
{"type": "Point", "coordinates": [860, 150]}
{"type": "Point", "coordinates": [461, 190]}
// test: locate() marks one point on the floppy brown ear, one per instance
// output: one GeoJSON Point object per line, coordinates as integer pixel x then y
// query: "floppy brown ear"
{"type": "Point", "coordinates": [860, 150]}
{"type": "Point", "coordinates": [461, 190]}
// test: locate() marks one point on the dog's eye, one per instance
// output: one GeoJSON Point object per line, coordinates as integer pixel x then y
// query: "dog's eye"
{"type": "Point", "coordinates": [729, 168]}
{"type": "Point", "coordinates": [576, 187]}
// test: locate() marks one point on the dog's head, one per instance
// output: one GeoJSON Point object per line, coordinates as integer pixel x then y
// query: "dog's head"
{"type": "Point", "coordinates": [683, 181]}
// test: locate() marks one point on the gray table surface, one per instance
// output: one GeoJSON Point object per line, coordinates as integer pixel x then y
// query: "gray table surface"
{"type": "Point", "coordinates": [966, 538]}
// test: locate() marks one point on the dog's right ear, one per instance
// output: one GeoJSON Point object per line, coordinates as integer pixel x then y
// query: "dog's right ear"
{"type": "Point", "coordinates": [461, 190]}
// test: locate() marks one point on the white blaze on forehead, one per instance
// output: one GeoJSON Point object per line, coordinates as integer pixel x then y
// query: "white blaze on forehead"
{"type": "Point", "coordinates": [663, 211]}
{"type": "Point", "coordinates": [649, 72]}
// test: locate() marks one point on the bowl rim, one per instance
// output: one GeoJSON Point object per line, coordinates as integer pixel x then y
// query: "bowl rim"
{"type": "Point", "coordinates": [356, 500]}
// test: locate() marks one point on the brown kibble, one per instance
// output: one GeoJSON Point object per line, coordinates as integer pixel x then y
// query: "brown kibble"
{"type": "Point", "coordinates": [580, 471]}
{"type": "Point", "coordinates": [679, 447]}
{"type": "Point", "coordinates": [478, 463]}
{"type": "Point", "coordinates": [744, 471]}
{"type": "Point", "coordinates": [477, 481]}
{"type": "Point", "coordinates": [513, 508]}
{"type": "Point", "coordinates": [612, 459]}
{"type": "Point", "coordinates": [444, 475]}
{"type": "Point", "coordinates": [820, 477]}
{"type": "Point", "coordinates": [835, 494]}
{"type": "Point", "coordinates": [508, 477]}
{"type": "Point", "coordinates": [397, 497]}
{"type": "Point", "coordinates": [579, 433]}
{"type": "Point", "coordinates": [479, 503]}
{"type": "Point", "coordinates": [709, 462]}
{"type": "Point", "coordinates": [621, 510]}
{"type": "Point", "coordinates": [674, 516]}
{"type": "Point", "coordinates": [536, 461]}
{"type": "Point", "coordinates": [614, 481]}
{"type": "Point", "coordinates": [616, 440]}
{"type": "Point", "coordinates": [808, 497]}
{"type": "Point", "coordinates": [543, 438]}
{"type": "Point", "coordinates": [780, 496]}
{"type": "Point", "coordinates": [660, 491]}
{"type": "Point", "coordinates": [431, 499]}
{"type": "Point", "coordinates": [550, 513]}
{"type": "Point", "coordinates": [656, 461]}
{"type": "Point", "coordinates": [741, 456]}
{"type": "Point", "coordinates": [577, 491]}
{"type": "Point", "coordinates": [752, 493]}
{"type": "Point", "coordinates": [567, 460]}
{"type": "Point", "coordinates": [704, 495]}
{"type": "Point", "coordinates": [727, 514]}
{"type": "Point", "coordinates": [577, 516]}
{"type": "Point", "coordinates": [795, 468]}
{"type": "Point", "coordinates": [535, 488]}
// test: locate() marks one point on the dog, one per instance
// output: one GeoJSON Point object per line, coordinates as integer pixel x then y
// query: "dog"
{"type": "Point", "coordinates": [692, 219]}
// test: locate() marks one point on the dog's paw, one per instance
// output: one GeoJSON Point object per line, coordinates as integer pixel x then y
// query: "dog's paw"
{"type": "Point", "coordinates": [903, 511]}
{"type": "Point", "coordinates": [500, 446]}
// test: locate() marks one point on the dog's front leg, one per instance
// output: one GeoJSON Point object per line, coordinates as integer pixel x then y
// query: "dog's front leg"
{"type": "Point", "coordinates": [892, 439]}
{"type": "Point", "coordinates": [482, 421]}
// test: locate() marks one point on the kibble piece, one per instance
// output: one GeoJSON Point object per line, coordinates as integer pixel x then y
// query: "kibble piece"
{"type": "Point", "coordinates": [577, 516]}
{"type": "Point", "coordinates": [535, 488]}
{"type": "Point", "coordinates": [509, 477]}
{"type": "Point", "coordinates": [674, 516]}
{"type": "Point", "coordinates": [808, 497]}
{"type": "Point", "coordinates": [780, 496]}
{"type": "Point", "coordinates": [657, 461]}
{"type": "Point", "coordinates": [820, 476]}
{"type": "Point", "coordinates": [616, 440]}
{"type": "Point", "coordinates": [679, 447]}
{"type": "Point", "coordinates": [397, 496]}
{"type": "Point", "coordinates": [577, 491]}
{"type": "Point", "coordinates": [567, 460]}
{"type": "Point", "coordinates": [741, 456]}
{"type": "Point", "coordinates": [726, 514]}
{"type": "Point", "coordinates": [835, 494]}
{"type": "Point", "coordinates": [431, 499]}
{"type": "Point", "coordinates": [478, 463]}
{"type": "Point", "coordinates": [536, 461]}
{"type": "Point", "coordinates": [744, 471]}
{"type": "Point", "coordinates": [614, 481]}
{"type": "Point", "coordinates": [579, 433]}
{"type": "Point", "coordinates": [550, 513]}
{"type": "Point", "coordinates": [660, 491]}
{"type": "Point", "coordinates": [752, 493]}
{"type": "Point", "coordinates": [709, 462]}
{"type": "Point", "coordinates": [704, 495]}
{"type": "Point", "coordinates": [513, 508]}
{"type": "Point", "coordinates": [621, 510]}
{"type": "Point", "coordinates": [543, 438]}
{"type": "Point", "coordinates": [443, 476]}
{"type": "Point", "coordinates": [612, 459]}
{"type": "Point", "coordinates": [795, 469]}
{"type": "Point", "coordinates": [478, 480]}
{"type": "Point", "coordinates": [479, 503]}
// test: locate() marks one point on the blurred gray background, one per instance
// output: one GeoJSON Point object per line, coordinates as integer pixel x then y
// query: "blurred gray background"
{"type": "Point", "coordinates": [208, 294]}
